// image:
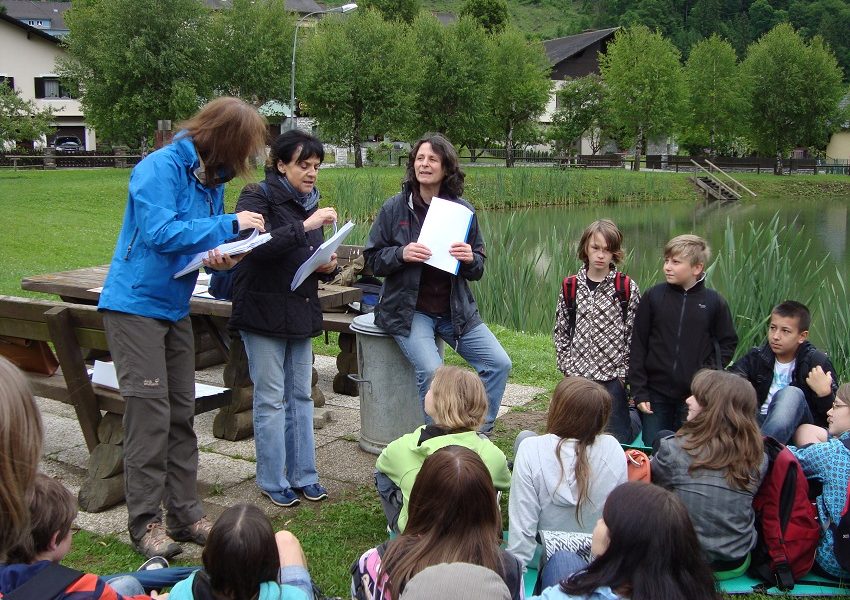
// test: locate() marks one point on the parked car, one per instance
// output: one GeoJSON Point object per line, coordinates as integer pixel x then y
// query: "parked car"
{"type": "Point", "coordinates": [67, 144]}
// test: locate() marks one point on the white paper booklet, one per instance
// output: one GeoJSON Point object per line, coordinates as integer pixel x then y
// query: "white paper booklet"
{"type": "Point", "coordinates": [104, 375]}
{"type": "Point", "coordinates": [232, 248]}
{"type": "Point", "coordinates": [321, 256]}
{"type": "Point", "coordinates": [447, 222]}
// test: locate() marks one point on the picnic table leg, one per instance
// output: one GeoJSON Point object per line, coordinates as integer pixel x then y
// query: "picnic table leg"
{"type": "Point", "coordinates": [236, 421]}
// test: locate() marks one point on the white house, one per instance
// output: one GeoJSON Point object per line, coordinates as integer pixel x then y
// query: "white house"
{"type": "Point", "coordinates": [28, 64]}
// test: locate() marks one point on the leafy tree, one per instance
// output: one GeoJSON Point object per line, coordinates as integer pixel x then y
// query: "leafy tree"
{"type": "Point", "coordinates": [645, 84]}
{"type": "Point", "coordinates": [828, 18]}
{"type": "Point", "coordinates": [253, 50]}
{"type": "Point", "coordinates": [519, 87]}
{"type": "Point", "coordinates": [395, 10]}
{"type": "Point", "coordinates": [21, 120]}
{"type": "Point", "coordinates": [581, 108]}
{"type": "Point", "coordinates": [355, 77]}
{"type": "Point", "coordinates": [492, 15]}
{"type": "Point", "coordinates": [453, 79]}
{"type": "Point", "coordinates": [793, 89]}
{"type": "Point", "coordinates": [715, 105]}
{"type": "Point", "coordinates": [137, 62]}
{"type": "Point", "coordinates": [764, 17]}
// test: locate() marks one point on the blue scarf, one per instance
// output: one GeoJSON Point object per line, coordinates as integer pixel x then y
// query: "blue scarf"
{"type": "Point", "coordinates": [309, 200]}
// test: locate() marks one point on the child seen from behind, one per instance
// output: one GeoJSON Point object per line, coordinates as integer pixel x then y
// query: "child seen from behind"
{"type": "Point", "coordinates": [457, 403]}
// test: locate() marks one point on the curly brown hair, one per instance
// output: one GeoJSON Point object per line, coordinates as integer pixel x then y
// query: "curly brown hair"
{"type": "Point", "coordinates": [452, 184]}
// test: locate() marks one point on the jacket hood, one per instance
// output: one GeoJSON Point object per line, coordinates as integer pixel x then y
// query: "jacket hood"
{"type": "Point", "coordinates": [560, 483]}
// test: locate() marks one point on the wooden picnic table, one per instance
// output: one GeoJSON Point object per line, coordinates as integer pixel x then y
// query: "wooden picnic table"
{"type": "Point", "coordinates": [214, 344]}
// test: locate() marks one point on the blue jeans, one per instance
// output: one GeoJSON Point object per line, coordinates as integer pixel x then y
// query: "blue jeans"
{"type": "Point", "coordinates": [126, 585]}
{"type": "Point", "coordinates": [478, 347]}
{"type": "Point", "coordinates": [561, 565]}
{"type": "Point", "coordinates": [620, 422]}
{"type": "Point", "coordinates": [787, 411]}
{"type": "Point", "coordinates": [282, 370]}
{"type": "Point", "coordinates": [667, 413]}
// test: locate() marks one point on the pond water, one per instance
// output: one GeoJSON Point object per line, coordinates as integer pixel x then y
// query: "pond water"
{"type": "Point", "coordinates": [530, 251]}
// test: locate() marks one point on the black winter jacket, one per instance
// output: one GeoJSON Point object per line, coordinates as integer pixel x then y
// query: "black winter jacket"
{"type": "Point", "coordinates": [677, 333]}
{"type": "Point", "coordinates": [757, 367]}
{"type": "Point", "coordinates": [262, 301]}
{"type": "Point", "coordinates": [396, 226]}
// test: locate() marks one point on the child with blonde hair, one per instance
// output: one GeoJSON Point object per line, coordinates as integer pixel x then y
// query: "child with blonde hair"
{"type": "Point", "coordinates": [457, 403]}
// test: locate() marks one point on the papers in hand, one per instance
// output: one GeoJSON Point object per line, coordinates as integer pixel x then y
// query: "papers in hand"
{"type": "Point", "coordinates": [321, 256]}
{"type": "Point", "coordinates": [232, 248]}
{"type": "Point", "coordinates": [447, 222]}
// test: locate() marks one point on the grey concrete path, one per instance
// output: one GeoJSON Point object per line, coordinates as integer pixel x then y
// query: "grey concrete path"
{"type": "Point", "coordinates": [226, 469]}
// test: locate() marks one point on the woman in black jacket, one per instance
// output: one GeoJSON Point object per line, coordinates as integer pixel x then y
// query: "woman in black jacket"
{"type": "Point", "coordinates": [276, 324]}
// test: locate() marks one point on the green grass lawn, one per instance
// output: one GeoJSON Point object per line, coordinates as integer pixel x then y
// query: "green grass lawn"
{"type": "Point", "coordinates": [59, 220]}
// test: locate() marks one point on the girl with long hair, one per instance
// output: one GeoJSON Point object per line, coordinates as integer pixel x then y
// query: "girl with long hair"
{"type": "Point", "coordinates": [419, 302]}
{"type": "Point", "coordinates": [645, 548]}
{"type": "Point", "coordinates": [457, 403]}
{"type": "Point", "coordinates": [453, 517]}
{"type": "Point", "coordinates": [244, 559]}
{"type": "Point", "coordinates": [562, 478]}
{"type": "Point", "coordinates": [715, 464]}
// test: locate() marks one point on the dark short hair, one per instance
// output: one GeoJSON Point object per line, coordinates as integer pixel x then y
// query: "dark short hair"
{"type": "Point", "coordinates": [453, 176]}
{"type": "Point", "coordinates": [794, 309]}
{"type": "Point", "coordinates": [296, 144]}
{"type": "Point", "coordinates": [53, 509]}
{"type": "Point", "coordinates": [240, 552]}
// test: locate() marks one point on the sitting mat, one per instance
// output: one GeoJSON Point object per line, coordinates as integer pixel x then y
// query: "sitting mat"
{"type": "Point", "coordinates": [810, 585]}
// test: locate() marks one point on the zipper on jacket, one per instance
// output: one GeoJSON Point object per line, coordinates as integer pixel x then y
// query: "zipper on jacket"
{"type": "Point", "coordinates": [130, 246]}
{"type": "Point", "coordinates": [679, 330]}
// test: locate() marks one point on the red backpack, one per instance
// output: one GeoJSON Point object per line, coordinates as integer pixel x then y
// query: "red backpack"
{"type": "Point", "coordinates": [622, 289]}
{"type": "Point", "coordinates": [786, 521]}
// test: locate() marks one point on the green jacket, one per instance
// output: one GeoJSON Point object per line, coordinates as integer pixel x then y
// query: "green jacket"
{"type": "Point", "coordinates": [402, 459]}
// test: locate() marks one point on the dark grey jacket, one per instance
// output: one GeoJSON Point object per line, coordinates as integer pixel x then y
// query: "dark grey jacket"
{"type": "Point", "coordinates": [723, 516]}
{"type": "Point", "coordinates": [396, 226]}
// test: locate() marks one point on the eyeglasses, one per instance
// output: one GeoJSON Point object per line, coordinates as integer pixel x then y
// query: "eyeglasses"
{"type": "Point", "coordinates": [836, 405]}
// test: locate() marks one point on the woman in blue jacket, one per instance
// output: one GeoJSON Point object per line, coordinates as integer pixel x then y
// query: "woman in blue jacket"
{"type": "Point", "coordinates": [175, 209]}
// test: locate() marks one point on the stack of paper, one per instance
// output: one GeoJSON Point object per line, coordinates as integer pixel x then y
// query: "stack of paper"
{"type": "Point", "coordinates": [231, 248]}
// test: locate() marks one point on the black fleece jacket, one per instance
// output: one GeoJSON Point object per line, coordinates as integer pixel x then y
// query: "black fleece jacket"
{"type": "Point", "coordinates": [677, 333]}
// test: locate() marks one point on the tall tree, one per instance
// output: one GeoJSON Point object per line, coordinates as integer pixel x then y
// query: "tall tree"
{"type": "Point", "coordinates": [355, 77]}
{"type": "Point", "coordinates": [492, 15]}
{"type": "Point", "coordinates": [645, 84]}
{"type": "Point", "coordinates": [581, 108]}
{"type": "Point", "coordinates": [715, 105]}
{"type": "Point", "coordinates": [519, 87]}
{"type": "Point", "coordinates": [252, 42]}
{"type": "Point", "coordinates": [793, 90]}
{"type": "Point", "coordinates": [395, 10]}
{"type": "Point", "coordinates": [137, 62]}
{"type": "Point", "coordinates": [20, 119]}
{"type": "Point", "coordinates": [452, 79]}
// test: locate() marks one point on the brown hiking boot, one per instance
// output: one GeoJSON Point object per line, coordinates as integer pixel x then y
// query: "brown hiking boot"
{"type": "Point", "coordinates": [156, 542]}
{"type": "Point", "coordinates": [197, 532]}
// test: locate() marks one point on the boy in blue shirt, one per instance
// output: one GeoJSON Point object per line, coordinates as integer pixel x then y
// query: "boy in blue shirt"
{"type": "Point", "coordinates": [681, 327]}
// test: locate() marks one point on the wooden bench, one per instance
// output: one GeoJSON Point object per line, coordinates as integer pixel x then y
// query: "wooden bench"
{"type": "Point", "coordinates": [73, 329]}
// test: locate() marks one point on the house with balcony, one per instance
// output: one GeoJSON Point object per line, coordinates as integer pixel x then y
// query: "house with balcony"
{"type": "Point", "coordinates": [28, 64]}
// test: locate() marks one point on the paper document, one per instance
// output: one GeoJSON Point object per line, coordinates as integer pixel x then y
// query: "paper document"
{"type": "Point", "coordinates": [231, 248]}
{"type": "Point", "coordinates": [447, 222]}
{"type": "Point", "coordinates": [104, 375]}
{"type": "Point", "coordinates": [321, 256]}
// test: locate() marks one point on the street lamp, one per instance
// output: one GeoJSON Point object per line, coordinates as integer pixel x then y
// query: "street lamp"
{"type": "Point", "coordinates": [293, 123]}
